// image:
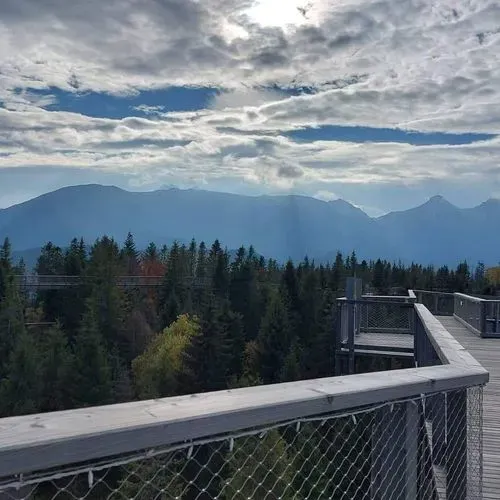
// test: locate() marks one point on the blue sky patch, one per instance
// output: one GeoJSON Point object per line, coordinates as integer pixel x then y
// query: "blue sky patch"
{"type": "Point", "coordinates": [373, 134]}
{"type": "Point", "coordinates": [102, 105]}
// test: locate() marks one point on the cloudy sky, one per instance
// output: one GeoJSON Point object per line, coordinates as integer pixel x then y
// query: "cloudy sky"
{"type": "Point", "coordinates": [383, 103]}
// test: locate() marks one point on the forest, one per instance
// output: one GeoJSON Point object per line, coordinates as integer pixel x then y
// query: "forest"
{"type": "Point", "coordinates": [218, 320]}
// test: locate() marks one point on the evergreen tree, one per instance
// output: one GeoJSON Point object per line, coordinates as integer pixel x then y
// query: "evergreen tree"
{"type": "Point", "coordinates": [274, 340]}
{"type": "Point", "coordinates": [91, 376]}
{"type": "Point", "coordinates": [109, 301]}
{"type": "Point", "coordinates": [130, 256]}
{"type": "Point", "coordinates": [11, 308]}
{"type": "Point", "coordinates": [51, 263]}
{"type": "Point", "coordinates": [20, 390]}
{"type": "Point", "coordinates": [55, 366]}
{"type": "Point", "coordinates": [244, 294]}
{"type": "Point", "coordinates": [291, 369]}
{"type": "Point", "coordinates": [209, 357]}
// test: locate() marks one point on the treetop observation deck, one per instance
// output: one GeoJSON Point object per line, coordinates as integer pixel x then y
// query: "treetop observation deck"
{"type": "Point", "coordinates": [412, 433]}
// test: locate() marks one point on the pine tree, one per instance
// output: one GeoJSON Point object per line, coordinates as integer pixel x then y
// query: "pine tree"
{"type": "Point", "coordinates": [274, 340]}
{"type": "Point", "coordinates": [56, 365]}
{"type": "Point", "coordinates": [209, 357]}
{"type": "Point", "coordinates": [244, 294]}
{"type": "Point", "coordinates": [130, 256]}
{"type": "Point", "coordinates": [20, 390]}
{"type": "Point", "coordinates": [73, 298]}
{"type": "Point", "coordinates": [91, 375]}
{"type": "Point", "coordinates": [108, 300]}
{"type": "Point", "coordinates": [11, 308]}
{"type": "Point", "coordinates": [291, 369]}
{"type": "Point", "coordinates": [51, 262]}
{"type": "Point", "coordinates": [232, 324]}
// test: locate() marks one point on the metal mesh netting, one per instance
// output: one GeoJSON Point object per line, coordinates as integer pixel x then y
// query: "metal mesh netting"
{"type": "Point", "coordinates": [428, 447]}
{"type": "Point", "coordinates": [439, 303]}
{"type": "Point", "coordinates": [386, 317]}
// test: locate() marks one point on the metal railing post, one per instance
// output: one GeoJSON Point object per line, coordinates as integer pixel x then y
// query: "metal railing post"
{"type": "Point", "coordinates": [338, 340]}
{"type": "Point", "coordinates": [351, 326]}
{"type": "Point", "coordinates": [437, 415]}
{"type": "Point", "coordinates": [411, 449]}
{"type": "Point", "coordinates": [394, 465]}
{"type": "Point", "coordinates": [456, 445]}
{"type": "Point", "coordinates": [483, 316]}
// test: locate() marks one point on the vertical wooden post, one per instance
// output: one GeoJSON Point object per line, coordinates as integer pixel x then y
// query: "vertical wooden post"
{"type": "Point", "coordinates": [456, 445]}
{"type": "Point", "coordinates": [436, 303]}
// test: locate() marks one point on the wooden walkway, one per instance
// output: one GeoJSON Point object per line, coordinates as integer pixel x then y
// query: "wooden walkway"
{"type": "Point", "coordinates": [487, 352]}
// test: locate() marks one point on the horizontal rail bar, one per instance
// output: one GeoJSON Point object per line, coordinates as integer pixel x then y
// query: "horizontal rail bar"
{"type": "Point", "coordinates": [434, 292]}
{"type": "Point", "coordinates": [42, 441]}
{"type": "Point", "coordinates": [475, 299]}
{"type": "Point", "coordinates": [447, 348]}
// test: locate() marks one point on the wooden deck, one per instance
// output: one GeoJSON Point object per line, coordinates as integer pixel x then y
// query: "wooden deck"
{"type": "Point", "coordinates": [388, 341]}
{"type": "Point", "coordinates": [487, 352]}
{"type": "Point", "coordinates": [392, 345]}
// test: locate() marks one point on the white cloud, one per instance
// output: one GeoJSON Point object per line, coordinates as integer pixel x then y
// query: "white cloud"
{"type": "Point", "coordinates": [325, 195]}
{"type": "Point", "coordinates": [419, 64]}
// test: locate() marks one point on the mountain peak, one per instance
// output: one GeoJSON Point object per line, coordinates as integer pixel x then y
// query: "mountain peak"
{"type": "Point", "coordinates": [491, 202]}
{"type": "Point", "coordinates": [438, 198]}
{"type": "Point", "coordinates": [438, 201]}
{"type": "Point", "coordinates": [345, 207]}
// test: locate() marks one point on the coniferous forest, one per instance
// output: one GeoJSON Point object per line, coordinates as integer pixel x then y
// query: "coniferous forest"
{"type": "Point", "coordinates": [218, 320]}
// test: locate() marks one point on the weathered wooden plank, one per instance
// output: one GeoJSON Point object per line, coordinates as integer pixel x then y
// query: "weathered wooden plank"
{"type": "Point", "coordinates": [45, 440]}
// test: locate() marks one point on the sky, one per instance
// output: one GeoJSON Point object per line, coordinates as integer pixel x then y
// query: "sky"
{"type": "Point", "coordinates": [382, 103]}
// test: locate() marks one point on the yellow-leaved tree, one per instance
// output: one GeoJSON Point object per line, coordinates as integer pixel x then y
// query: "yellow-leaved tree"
{"type": "Point", "coordinates": [158, 370]}
{"type": "Point", "coordinates": [493, 275]}
{"type": "Point", "coordinates": [157, 373]}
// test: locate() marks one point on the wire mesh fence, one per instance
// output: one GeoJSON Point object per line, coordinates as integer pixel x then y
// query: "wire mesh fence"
{"type": "Point", "coordinates": [385, 317]}
{"type": "Point", "coordinates": [426, 447]}
{"type": "Point", "coordinates": [439, 303]}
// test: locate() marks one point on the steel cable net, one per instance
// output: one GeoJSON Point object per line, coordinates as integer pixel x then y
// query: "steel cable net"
{"type": "Point", "coordinates": [428, 447]}
{"type": "Point", "coordinates": [385, 317]}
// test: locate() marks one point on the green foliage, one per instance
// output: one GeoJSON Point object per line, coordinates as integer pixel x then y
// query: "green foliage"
{"type": "Point", "coordinates": [91, 377]}
{"type": "Point", "coordinates": [224, 322]}
{"type": "Point", "coordinates": [260, 467]}
{"type": "Point", "coordinates": [157, 371]}
{"type": "Point", "coordinates": [56, 366]}
{"type": "Point", "coordinates": [274, 340]}
{"type": "Point", "coordinates": [20, 390]}
{"type": "Point", "coordinates": [209, 356]}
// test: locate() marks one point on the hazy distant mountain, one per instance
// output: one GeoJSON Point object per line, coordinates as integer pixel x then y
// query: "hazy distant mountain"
{"type": "Point", "coordinates": [277, 226]}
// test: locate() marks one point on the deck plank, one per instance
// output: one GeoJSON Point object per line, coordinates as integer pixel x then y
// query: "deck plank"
{"type": "Point", "coordinates": [487, 352]}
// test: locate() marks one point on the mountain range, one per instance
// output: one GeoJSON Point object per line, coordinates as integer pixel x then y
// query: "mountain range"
{"type": "Point", "coordinates": [281, 227]}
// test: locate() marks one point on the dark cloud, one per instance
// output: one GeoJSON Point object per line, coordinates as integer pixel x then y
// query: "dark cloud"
{"type": "Point", "coordinates": [268, 59]}
{"type": "Point", "coordinates": [290, 172]}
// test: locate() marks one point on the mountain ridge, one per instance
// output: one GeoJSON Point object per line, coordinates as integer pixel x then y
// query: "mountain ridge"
{"type": "Point", "coordinates": [279, 226]}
